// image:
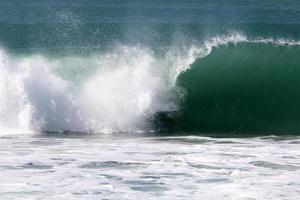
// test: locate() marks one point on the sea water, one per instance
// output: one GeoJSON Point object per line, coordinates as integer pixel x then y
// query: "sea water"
{"type": "Point", "coordinates": [134, 167]}
{"type": "Point", "coordinates": [154, 99]}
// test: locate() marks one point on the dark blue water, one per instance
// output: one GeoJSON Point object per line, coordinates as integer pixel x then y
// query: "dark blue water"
{"type": "Point", "coordinates": [98, 24]}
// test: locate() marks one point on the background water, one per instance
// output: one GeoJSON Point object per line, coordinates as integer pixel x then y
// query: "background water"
{"type": "Point", "coordinates": [97, 99]}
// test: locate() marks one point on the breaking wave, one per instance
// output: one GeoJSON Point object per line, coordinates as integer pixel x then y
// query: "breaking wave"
{"type": "Point", "coordinates": [225, 83]}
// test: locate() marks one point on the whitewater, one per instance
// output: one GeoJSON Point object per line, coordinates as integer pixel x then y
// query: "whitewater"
{"type": "Point", "coordinates": [134, 167]}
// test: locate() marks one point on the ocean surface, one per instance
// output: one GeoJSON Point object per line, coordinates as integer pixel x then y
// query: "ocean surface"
{"type": "Point", "coordinates": [158, 99]}
{"type": "Point", "coordinates": [148, 167]}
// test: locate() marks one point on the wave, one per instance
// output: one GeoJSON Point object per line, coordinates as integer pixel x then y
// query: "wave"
{"type": "Point", "coordinates": [249, 87]}
{"type": "Point", "coordinates": [208, 86]}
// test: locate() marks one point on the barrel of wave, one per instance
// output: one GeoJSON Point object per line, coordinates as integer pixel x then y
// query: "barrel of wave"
{"type": "Point", "coordinates": [249, 87]}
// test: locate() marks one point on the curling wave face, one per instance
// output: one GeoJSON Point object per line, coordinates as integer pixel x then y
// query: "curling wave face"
{"type": "Point", "coordinates": [248, 88]}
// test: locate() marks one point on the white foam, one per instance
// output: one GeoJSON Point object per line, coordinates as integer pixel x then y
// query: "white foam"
{"type": "Point", "coordinates": [126, 89]}
{"type": "Point", "coordinates": [280, 41]}
{"type": "Point", "coordinates": [14, 108]}
{"type": "Point", "coordinates": [51, 98]}
{"type": "Point", "coordinates": [149, 168]}
{"type": "Point", "coordinates": [119, 96]}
